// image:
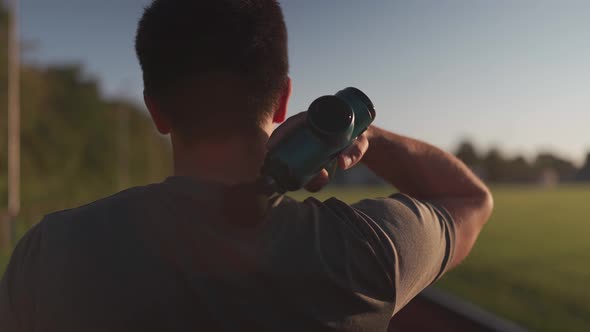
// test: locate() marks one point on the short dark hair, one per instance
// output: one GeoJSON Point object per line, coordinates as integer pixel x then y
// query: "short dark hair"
{"type": "Point", "coordinates": [197, 45]}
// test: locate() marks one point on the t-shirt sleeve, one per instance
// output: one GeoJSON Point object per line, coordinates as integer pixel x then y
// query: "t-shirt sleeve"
{"type": "Point", "coordinates": [17, 287]}
{"type": "Point", "coordinates": [416, 241]}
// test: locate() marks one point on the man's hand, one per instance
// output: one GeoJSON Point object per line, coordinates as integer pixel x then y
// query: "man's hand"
{"type": "Point", "coordinates": [348, 158]}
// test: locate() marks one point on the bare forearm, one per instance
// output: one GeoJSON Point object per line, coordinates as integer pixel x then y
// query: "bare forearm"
{"type": "Point", "coordinates": [419, 169]}
{"type": "Point", "coordinates": [428, 173]}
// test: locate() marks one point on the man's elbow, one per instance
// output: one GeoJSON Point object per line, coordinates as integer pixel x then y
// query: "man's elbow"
{"type": "Point", "coordinates": [486, 205]}
{"type": "Point", "coordinates": [482, 206]}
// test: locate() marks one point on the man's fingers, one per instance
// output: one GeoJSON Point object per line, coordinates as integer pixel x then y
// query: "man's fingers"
{"type": "Point", "coordinates": [348, 158]}
{"type": "Point", "coordinates": [354, 153]}
{"type": "Point", "coordinates": [318, 182]}
{"type": "Point", "coordinates": [286, 128]}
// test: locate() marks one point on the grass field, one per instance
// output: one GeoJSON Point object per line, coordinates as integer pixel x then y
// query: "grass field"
{"type": "Point", "coordinates": [532, 261]}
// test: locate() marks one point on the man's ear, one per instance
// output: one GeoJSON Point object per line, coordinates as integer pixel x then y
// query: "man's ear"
{"type": "Point", "coordinates": [160, 120]}
{"type": "Point", "coordinates": [281, 111]}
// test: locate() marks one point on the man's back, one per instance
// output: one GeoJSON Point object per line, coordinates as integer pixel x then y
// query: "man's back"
{"type": "Point", "coordinates": [159, 257]}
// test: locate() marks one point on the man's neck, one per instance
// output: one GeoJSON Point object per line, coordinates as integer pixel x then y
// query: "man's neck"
{"type": "Point", "coordinates": [231, 161]}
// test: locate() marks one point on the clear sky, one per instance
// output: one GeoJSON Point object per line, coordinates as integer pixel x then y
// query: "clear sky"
{"type": "Point", "coordinates": [507, 73]}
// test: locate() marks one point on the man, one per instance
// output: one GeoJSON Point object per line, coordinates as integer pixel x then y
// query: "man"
{"type": "Point", "coordinates": [161, 257]}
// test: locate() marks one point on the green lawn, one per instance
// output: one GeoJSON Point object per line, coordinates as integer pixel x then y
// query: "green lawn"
{"type": "Point", "coordinates": [532, 261]}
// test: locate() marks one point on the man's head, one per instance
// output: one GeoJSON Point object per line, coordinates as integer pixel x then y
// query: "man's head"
{"type": "Point", "coordinates": [213, 68]}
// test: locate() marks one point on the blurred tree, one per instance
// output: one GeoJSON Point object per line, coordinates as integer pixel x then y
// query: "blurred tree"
{"type": "Point", "coordinates": [494, 165]}
{"type": "Point", "coordinates": [565, 169]}
{"type": "Point", "coordinates": [468, 154]}
{"type": "Point", "coordinates": [69, 138]}
{"type": "Point", "coordinates": [584, 173]}
{"type": "Point", "coordinates": [518, 170]}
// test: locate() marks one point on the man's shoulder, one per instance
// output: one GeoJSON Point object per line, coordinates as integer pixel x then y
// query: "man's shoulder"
{"type": "Point", "coordinates": [312, 214]}
{"type": "Point", "coordinates": [313, 205]}
{"type": "Point", "coordinates": [333, 207]}
{"type": "Point", "coordinates": [110, 208]}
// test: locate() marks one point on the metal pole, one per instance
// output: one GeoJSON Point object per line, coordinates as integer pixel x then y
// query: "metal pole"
{"type": "Point", "coordinates": [13, 126]}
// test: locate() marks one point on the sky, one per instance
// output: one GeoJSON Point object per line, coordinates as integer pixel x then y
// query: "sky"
{"type": "Point", "coordinates": [509, 74]}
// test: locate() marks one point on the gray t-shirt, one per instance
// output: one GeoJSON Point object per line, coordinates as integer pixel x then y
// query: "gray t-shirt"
{"type": "Point", "coordinates": [159, 258]}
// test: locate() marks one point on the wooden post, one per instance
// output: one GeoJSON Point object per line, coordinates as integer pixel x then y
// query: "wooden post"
{"type": "Point", "coordinates": [5, 232]}
{"type": "Point", "coordinates": [13, 128]}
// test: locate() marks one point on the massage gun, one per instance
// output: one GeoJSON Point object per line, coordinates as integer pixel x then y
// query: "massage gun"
{"type": "Point", "coordinates": [333, 123]}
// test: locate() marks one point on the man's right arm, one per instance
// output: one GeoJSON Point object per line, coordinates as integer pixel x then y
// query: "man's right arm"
{"type": "Point", "coordinates": [419, 170]}
{"type": "Point", "coordinates": [427, 173]}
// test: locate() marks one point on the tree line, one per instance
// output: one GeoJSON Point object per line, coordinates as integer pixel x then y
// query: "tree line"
{"type": "Point", "coordinates": [493, 167]}
{"type": "Point", "coordinates": [545, 168]}
{"type": "Point", "coordinates": [76, 145]}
